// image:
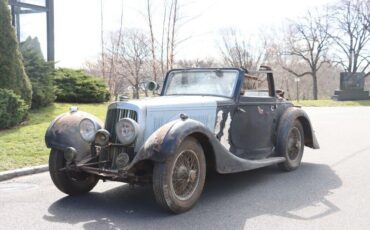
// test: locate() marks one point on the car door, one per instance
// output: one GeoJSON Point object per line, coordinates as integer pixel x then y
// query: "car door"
{"type": "Point", "coordinates": [254, 121]}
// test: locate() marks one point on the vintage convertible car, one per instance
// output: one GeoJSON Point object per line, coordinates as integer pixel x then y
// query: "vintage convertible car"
{"type": "Point", "coordinates": [226, 119]}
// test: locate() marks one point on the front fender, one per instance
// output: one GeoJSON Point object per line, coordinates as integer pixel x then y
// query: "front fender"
{"type": "Point", "coordinates": [64, 132]}
{"type": "Point", "coordinates": [176, 135]}
{"type": "Point", "coordinates": [295, 113]}
{"type": "Point", "coordinates": [164, 142]}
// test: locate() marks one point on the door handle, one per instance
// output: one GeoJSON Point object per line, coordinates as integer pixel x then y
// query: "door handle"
{"type": "Point", "coordinates": [241, 110]}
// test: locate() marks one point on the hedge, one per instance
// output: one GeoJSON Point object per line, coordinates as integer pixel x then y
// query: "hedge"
{"type": "Point", "coordinates": [77, 86]}
{"type": "Point", "coordinates": [13, 109]}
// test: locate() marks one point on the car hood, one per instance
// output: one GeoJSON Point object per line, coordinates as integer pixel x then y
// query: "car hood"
{"type": "Point", "coordinates": [156, 111]}
{"type": "Point", "coordinates": [176, 102]}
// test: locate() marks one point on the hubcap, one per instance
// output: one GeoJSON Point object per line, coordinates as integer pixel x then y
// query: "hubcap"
{"type": "Point", "coordinates": [294, 143]}
{"type": "Point", "coordinates": [185, 174]}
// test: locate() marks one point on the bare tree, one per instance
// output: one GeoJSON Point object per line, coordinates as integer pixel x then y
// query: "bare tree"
{"type": "Point", "coordinates": [108, 62]}
{"type": "Point", "coordinates": [152, 39]}
{"type": "Point", "coordinates": [172, 38]}
{"type": "Point", "coordinates": [115, 81]}
{"type": "Point", "coordinates": [238, 52]}
{"type": "Point", "coordinates": [276, 60]}
{"type": "Point", "coordinates": [308, 40]}
{"type": "Point", "coordinates": [102, 38]}
{"type": "Point", "coordinates": [130, 58]}
{"type": "Point", "coordinates": [161, 60]}
{"type": "Point", "coordinates": [196, 63]}
{"type": "Point", "coordinates": [351, 34]}
{"type": "Point", "coordinates": [165, 44]}
{"type": "Point", "coordinates": [133, 56]}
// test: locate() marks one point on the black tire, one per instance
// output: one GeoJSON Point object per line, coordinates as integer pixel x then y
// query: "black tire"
{"type": "Point", "coordinates": [68, 182]}
{"type": "Point", "coordinates": [181, 196]}
{"type": "Point", "coordinates": [291, 145]}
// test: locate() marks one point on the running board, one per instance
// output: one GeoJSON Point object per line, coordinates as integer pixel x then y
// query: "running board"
{"type": "Point", "coordinates": [239, 165]}
{"type": "Point", "coordinates": [227, 162]}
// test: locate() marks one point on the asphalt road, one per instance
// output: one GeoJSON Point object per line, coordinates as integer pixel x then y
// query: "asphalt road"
{"type": "Point", "coordinates": [331, 190]}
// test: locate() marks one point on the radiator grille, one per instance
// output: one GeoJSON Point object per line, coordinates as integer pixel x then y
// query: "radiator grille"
{"type": "Point", "coordinates": [113, 116]}
{"type": "Point", "coordinates": [110, 153]}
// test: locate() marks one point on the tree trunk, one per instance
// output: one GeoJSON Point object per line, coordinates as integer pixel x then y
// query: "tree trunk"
{"type": "Point", "coordinates": [315, 91]}
{"type": "Point", "coordinates": [152, 41]}
{"type": "Point", "coordinates": [137, 92]}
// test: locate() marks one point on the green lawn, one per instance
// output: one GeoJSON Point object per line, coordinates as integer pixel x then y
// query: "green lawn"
{"type": "Point", "coordinates": [24, 145]}
{"type": "Point", "coordinates": [330, 103]}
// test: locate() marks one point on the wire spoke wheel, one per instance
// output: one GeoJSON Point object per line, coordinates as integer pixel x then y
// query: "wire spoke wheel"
{"type": "Point", "coordinates": [185, 174]}
{"type": "Point", "coordinates": [290, 145]}
{"type": "Point", "coordinates": [178, 182]}
{"type": "Point", "coordinates": [294, 143]}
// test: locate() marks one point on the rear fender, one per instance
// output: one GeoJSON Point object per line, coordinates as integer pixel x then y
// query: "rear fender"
{"type": "Point", "coordinates": [295, 113]}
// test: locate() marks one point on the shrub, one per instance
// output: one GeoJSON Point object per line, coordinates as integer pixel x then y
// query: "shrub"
{"type": "Point", "coordinates": [39, 72]}
{"type": "Point", "coordinates": [77, 86]}
{"type": "Point", "coordinates": [12, 74]}
{"type": "Point", "coordinates": [13, 109]}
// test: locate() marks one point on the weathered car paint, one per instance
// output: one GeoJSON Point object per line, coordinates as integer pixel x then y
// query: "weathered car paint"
{"type": "Point", "coordinates": [230, 138]}
{"type": "Point", "coordinates": [157, 111]}
{"type": "Point", "coordinates": [163, 143]}
{"type": "Point", "coordinates": [225, 115]}
{"type": "Point", "coordinates": [217, 125]}
{"type": "Point", "coordinates": [63, 132]}
{"type": "Point", "coordinates": [168, 108]}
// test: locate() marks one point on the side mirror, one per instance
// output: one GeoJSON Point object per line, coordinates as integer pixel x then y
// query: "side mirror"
{"type": "Point", "coordinates": [152, 86]}
{"type": "Point", "coordinates": [280, 93]}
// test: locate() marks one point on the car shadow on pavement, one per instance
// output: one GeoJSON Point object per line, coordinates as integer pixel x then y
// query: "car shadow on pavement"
{"type": "Point", "coordinates": [227, 202]}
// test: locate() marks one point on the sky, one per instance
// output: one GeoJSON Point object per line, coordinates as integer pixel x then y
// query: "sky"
{"type": "Point", "coordinates": [78, 23]}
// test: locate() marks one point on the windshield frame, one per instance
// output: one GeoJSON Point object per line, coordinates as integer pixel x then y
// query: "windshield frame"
{"type": "Point", "coordinates": [235, 89]}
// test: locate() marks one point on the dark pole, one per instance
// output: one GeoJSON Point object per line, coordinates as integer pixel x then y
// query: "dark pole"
{"type": "Point", "coordinates": [15, 11]}
{"type": "Point", "coordinates": [50, 30]}
{"type": "Point", "coordinates": [18, 23]}
{"type": "Point", "coordinates": [13, 15]}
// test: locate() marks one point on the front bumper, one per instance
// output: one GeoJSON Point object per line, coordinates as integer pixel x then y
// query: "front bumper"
{"type": "Point", "coordinates": [103, 163]}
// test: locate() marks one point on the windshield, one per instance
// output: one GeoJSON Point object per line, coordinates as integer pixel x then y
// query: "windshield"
{"type": "Point", "coordinates": [202, 82]}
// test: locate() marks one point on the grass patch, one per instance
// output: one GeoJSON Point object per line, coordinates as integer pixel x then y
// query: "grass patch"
{"type": "Point", "coordinates": [24, 145]}
{"type": "Point", "coordinates": [330, 103]}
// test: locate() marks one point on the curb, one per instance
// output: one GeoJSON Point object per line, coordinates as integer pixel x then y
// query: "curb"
{"type": "Point", "coordinates": [23, 172]}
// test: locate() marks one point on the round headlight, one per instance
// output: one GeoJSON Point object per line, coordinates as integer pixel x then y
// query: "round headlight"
{"type": "Point", "coordinates": [87, 129]}
{"type": "Point", "coordinates": [127, 130]}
